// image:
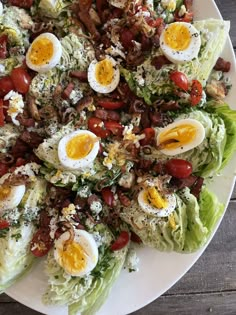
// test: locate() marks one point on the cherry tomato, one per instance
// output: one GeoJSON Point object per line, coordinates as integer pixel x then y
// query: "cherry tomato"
{"type": "Point", "coordinates": [179, 80]}
{"type": "Point", "coordinates": [96, 125]}
{"type": "Point", "coordinates": [21, 80]}
{"type": "Point", "coordinates": [121, 241]}
{"type": "Point", "coordinates": [3, 169]}
{"type": "Point", "coordinates": [26, 4]}
{"type": "Point", "coordinates": [115, 127]}
{"type": "Point", "coordinates": [3, 46]}
{"type": "Point", "coordinates": [41, 242]}
{"type": "Point", "coordinates": [196, 92]}
{"type": "Point", "coordinates": [178, 168]}
{"type": "Point", "coordinates": [6, 85]}
{"type": "Point", "coordinates": [2, 116]}
{"type": "Point", "coordinates": [107, 196]}
{"type": "Point", "coordinates": [4, 224]}
{"type": "Point", "coordinates": [149, 136]}
{"type": "Point", "coordinates": [154, 23]}
{"type": "Point", "coordinates": [126, 37]}
{"type": "Point", "coordinates": [187, 17]}
{"type": "Point", "coordinates": [108, 104]}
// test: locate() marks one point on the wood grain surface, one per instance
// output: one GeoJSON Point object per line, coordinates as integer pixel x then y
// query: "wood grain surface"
{"type": "Point", "coordinates": [210, 285]}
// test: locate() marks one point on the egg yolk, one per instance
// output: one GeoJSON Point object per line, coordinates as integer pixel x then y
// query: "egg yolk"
{"type": "Point", "coordinates": [79, 146]}
{"type": "Point", "coordinates": [104, 72]}
{"type": "Point", "coordinates": [41, 51]}
{"type": "Point", "coordinates": [177, 37]}
{"type": "Point", "coordinates": [4, 192]}
{"type": "Point", "coordinates": [73, 257]}
{"type": "Point", "coordinates": [177, 136]}
{"type": "Point", "coordinates": [153, 197]}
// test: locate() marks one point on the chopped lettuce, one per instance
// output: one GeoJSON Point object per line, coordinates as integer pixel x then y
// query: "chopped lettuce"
{"type": "Point", "coordinates": [53, 8]}
{"type": "Point", "coordinates": [85, 294]}
{"type": "Point", "coordinates": [187, 229]}
{"type": "Point", "coordinates": [149, 83]}
{"type": "Point", "coordinates": [15, 256]}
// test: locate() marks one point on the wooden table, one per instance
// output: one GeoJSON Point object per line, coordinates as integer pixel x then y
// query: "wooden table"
{"type": "Point", "coordinates": [210, 285]}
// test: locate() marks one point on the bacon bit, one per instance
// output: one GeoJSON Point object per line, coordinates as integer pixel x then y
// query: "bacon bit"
{"type": "Point", "coordinates": [25, 121]}
{"type": "Point", "coordinates": [196, 189]}
{"type": "Point", "coordinates": [135, 238]}
{"type": "Point", "coordinates": [33, 139]}
{"type": "Point", "coordinates": [222, 65]}
{"type": "Point", "coordinates": [33, 109]}
{"type": "Point", "coordinates": [124, 200]}
{"type": "Point", "coordinates": [19, 149]}
{"type": "Point", "coordinates": [159, 61]}
{"type": "Point", "coordinates": [159, 168]}
{"type": "Point", "coordinates": [172, 105]}
{"type": "Point", "coordinates": [183, 182]}
{"type": "Point", "coordinates": [105, 114]}
{"type": "Point", "coordinates": [66, 93]}
{"type": "Point", "coordinates": [83, 103]}
{"type": "Point", "coordinates": [144, 164]}
{"type": "Point", "coordinates": [82, 76]}
{"type": "Point", "coordinates": [88, 22]}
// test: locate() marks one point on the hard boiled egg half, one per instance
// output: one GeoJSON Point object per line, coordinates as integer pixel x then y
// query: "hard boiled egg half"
{"type": "Point", "coordinates": [77, 256]}
{"type": "Point", "coordinates": [152, 202]}
{"type": "Point", "coordinates": [180, 42]}
{"type": "Point", "coordinates": [78, 149]}
{"type": "Point", "coordinates": [44, 53]}
{"type": "Point", "coordinates": [10, 196]}
{"type": "Point", "coordinates": [104, 75]}
{"type": "Point", "coordinates": [180, 136]}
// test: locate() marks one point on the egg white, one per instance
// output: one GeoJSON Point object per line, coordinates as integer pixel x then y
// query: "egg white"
{"type": "Point", "coordinates": [57, 52]}
{"type": "Point", "coordinates": [97, 86]}
{"type": "Point", "coordinates": [199, 137]}
{"type": "Point", "coordinates": [69, 163]}
{"type": "Point", "coordinates": [14, 197]}
{"type": "Point", "coordinates": [89, 246]}
{"type": "Point", "coordinates": [181, 56]}
{"type": "Point", "coordinates": [162, 212]}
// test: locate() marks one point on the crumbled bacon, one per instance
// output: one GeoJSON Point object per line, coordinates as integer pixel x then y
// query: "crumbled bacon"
{"type": "Point", "coordinates": [159, 61]}
{"type": "Point", "coordinates": [222, 65]}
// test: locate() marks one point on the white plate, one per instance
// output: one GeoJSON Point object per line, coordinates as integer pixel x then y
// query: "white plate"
{"type": "Point", "coordinates": [135, 290]}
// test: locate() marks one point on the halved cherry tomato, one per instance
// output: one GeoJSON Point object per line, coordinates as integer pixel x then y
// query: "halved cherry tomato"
{"type": "Point", "coordinates": [149, 136]}
{"type": "Point", "coordinates": [41, 242]}
{"type": "Point", "coordinates": [26, 4]}
{"type": "Point", "coordinates": [121, 241]}
{"type": "Point", "coordinates": [3, 169]}
{"type": "Point", "coordinates": [196, 92]}
{"type": "Point", "coordinates": [6, 85]}
{"type": "Point", "coordinates": [108, 196]}
{"type": "Point", "coordinates": [154, 23]}
{"type": "Point", "coordinates": [178, 168]}
{"type": "Point", "coordinates": [179, 79]}
{"type": "Point", "coordinates": [115, 127]}
{"type": "Point", "coordinates": [4, 224]}
{"type": "Point", "coordinates": [3, 46]}
{"type": "Point", "coordinates": [187, 17]}
{"type": "Point", "coordinates": [108, 104]}
{"type": "Point", "coordinates": [1, 114]}
{"type": "Point", "coordinates": [21, 80]}
{"type": "Point", "coordinates": [96, 125]}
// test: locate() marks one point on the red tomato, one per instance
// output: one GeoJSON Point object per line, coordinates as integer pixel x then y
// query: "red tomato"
{"type": "Point", "coordinates": [154, 23]}
{"type": "Point", "coordinates": [121, 241]}
{"type": "Point", "coordinates": [126, 37]}
{"type": "Point", "coordinates": [187, 17]}
{"type": "Point", "coordinates": [1, 114]}
{"type": "Point", "coordinates": [178, 168]}
{"type": "Point", "coordinates": [179, 80]}
{"type": "Point", "coordinates": [107, 196]}
{"type": "Point", "coordinates": [3, 46]}
{"type": "Point", "coordinates": [41, 242]}
{"type": "Point", "coordinates": [149, 136]}
{"type": "Point", "coordinates": [4, 224]}
{"type": "Point", "coordinates": [96, 126]}
{"type": "Point", "coordinates": [108, 104]}
{"type": "Point", "coordinates": [3, 169]}
{"type": "Point", "coordinates": [26, 4]}
{"type": "Point", "coordinates": [6, 85]}
{"type": "Point", "coordinates": [196, 92]}
{"type": "Point", "coordinates": [21, 80]}
{"type": "Point", "coordinates": [115, 127]}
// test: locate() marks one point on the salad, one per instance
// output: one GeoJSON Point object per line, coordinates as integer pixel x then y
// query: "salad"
{"type": "Point", "coordinates": [112, 124]}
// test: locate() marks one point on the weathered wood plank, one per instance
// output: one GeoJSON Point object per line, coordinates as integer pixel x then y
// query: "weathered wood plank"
{"type": "Point", "coordinates": [228, 11]}
{"type": "Point", "coordinates": [215, 303]}
{"type": "Point", "coordinates": [16, 308]}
